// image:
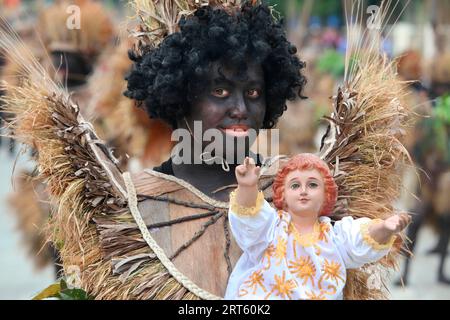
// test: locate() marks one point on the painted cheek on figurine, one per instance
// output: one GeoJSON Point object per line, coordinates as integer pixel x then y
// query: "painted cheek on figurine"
{"type": "Point", "coordinates": [304, 193]}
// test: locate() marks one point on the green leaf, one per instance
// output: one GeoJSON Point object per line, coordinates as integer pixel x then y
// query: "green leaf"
{"type": "Point", "coordinates": [63, 284]}
{"type": "Point", "coordinates": [62, 292]}
{"type": "Point", "coordinates": [74, 294]}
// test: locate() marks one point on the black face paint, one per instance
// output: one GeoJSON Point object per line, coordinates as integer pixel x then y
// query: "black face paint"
{"type": "Point", "coordinates": [229, 99]}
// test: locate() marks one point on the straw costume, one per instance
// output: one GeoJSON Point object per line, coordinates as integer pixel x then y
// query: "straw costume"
{"type": "Point", "coordinates": [69, 56]}
{"type": "Point", "coordinates": [138, 141]}
{"type": "Point", "coordinates": [154, 236]}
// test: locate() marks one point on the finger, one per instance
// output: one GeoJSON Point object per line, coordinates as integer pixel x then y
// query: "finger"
{"type": "Point", "coordinates": [257, 171]}
{"type": "Point", "coordinates": [401, 221]}
{"type": "Point", "coordinates": [405, 218]}
{"type": "Point", "coordinates": [409, 219]}
{"type": "Point", "coordinates": [251, 164]}
{"type": "Point", "coordinates": [246, 161]}
{"type": "Point", "coordinates": [241, 170]}
{"type": "Point", "coordinates": [401, 225]}
{"type": "Point", "coordinates": [404, 222]}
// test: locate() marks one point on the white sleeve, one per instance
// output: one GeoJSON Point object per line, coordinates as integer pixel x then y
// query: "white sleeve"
{"type": "Point", "coordinates": [355, 245]}
{"type": "Point", "coordinates": [254, 230]}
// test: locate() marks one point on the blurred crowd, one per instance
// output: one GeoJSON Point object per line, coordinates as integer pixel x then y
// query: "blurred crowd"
{"type": "Point", "coordinates": [92, 63]}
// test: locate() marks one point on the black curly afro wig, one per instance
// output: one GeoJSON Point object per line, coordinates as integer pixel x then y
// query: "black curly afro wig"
{"type": "Point", "coordinates": [165, 78]}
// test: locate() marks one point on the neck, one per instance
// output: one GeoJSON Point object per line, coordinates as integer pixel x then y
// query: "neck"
{"type": "Point", "coordinates": [206, 177]}
{"type": "Point", "coordinates": [304, 221]}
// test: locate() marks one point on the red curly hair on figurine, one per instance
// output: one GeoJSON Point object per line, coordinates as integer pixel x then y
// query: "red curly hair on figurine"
{"type": "Point", "coordinates": [306, 161]}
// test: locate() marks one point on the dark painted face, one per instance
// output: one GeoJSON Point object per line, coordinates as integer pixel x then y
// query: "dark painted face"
{"type": "Point", "coordinates": [231, 101]}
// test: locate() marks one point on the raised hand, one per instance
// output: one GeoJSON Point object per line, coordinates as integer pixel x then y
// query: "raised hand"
{"type": "Point", "coordinates": [384, 230]}
{"type": "Point", "coordinates": [247, 174]}
{"type": "Point", "coordinates": [397, 223]}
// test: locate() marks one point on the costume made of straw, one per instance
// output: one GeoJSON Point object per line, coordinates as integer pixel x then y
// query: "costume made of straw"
{"type": "Point", "coordinates": [29, 214]}
{"type": "Point", "coordinates": [29, 200]}
{"type": "Point", "coordinates": [136, 139]}
{"type": "Point", "coordinates": [154, 236]}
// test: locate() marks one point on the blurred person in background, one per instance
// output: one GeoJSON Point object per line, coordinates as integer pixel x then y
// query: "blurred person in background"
{"type": "Point", "coordinates": [431, 152]}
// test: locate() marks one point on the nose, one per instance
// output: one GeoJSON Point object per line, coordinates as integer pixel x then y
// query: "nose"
{"type": "Point", "coordinates": [239, 110]}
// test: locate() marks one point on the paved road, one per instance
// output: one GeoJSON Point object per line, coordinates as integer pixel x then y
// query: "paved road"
{"type": "Point", "coordinates": [423, 274]}
{"type": "Point", "coordinates": [18, 280]}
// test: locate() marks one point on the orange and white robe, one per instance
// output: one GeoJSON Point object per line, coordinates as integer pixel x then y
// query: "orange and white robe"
{"type": "Point", "coordinates": [279, 263]}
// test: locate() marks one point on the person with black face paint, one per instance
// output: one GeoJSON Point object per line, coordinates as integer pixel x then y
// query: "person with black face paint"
{"type": "Point", "coordinates": [230, 69]}
{"type": "Point", "coordinates": [225, 68]}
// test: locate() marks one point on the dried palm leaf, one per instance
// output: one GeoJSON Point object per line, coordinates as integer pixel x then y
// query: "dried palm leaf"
{"type": "Point", "coordinates": [157, 19]}
{"type": "Point", "coordinates": [92, 227]}
{"type": "Point", "coordinates": [362, 142]}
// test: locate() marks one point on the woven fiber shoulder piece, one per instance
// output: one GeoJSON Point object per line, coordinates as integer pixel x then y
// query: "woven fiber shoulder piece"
{"type": "Point", "coordinates": [160, 239]}
{"type": "Point", "coordinates": [186, 230]}
{"type": "Point", "coordinates": [189, 229]}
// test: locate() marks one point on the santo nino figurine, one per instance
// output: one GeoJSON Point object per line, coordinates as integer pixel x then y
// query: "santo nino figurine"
{"type": "Point", "coordinates": [295, 251]}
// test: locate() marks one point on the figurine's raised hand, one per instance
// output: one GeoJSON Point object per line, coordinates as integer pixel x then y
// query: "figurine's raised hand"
{"type": "Point", "coordinates": [397, 223]}
{"type": "Point", "coordinates": [247, 174]}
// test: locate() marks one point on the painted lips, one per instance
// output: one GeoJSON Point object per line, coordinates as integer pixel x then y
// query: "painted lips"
{"type": "Point", "coordinates": [236, 130]}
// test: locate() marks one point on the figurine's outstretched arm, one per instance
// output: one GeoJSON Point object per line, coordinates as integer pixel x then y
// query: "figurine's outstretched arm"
{"type": "Point", "coordinates": [383, 230]}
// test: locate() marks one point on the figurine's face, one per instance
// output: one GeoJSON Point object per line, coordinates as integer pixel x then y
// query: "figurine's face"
{"type": "Point", "coordinates": [230, 102]}
{"type": "Point", "coordinates": [304, 192]}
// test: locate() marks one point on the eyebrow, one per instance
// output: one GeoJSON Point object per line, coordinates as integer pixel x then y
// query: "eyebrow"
{"type": "Point", "coordinates": [313, 178]}
{"type": "Point", "coordinates": [223, 79]}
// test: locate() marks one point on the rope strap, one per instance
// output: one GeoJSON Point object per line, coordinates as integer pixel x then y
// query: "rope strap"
{"type": "Point", "coordinates": [159, 252]}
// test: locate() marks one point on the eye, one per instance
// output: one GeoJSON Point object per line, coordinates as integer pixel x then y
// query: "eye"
{"type": "Point", "coordinates": [313, 185]}
{"type": "Point", "coordinates": [295, 186]}
{"type": "Point", "coordinates": [253, 93]}
{"type": "Point", "coordinates": [220, 93]}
